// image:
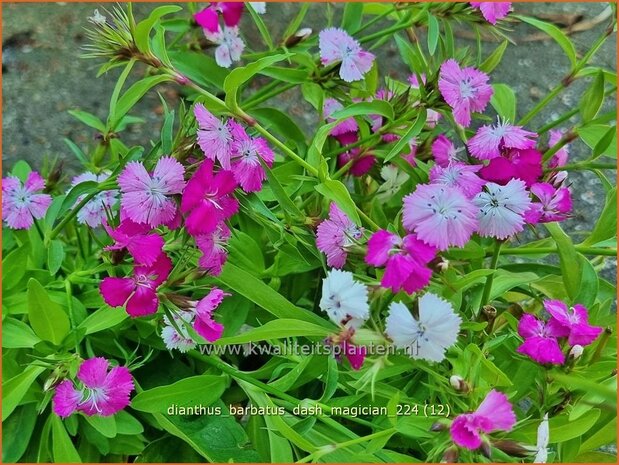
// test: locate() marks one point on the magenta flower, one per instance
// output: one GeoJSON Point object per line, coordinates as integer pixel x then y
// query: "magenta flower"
{"type": "Point", "coordinates": [136, 238]}
{"type": "Point", "coordinates": [442, 216]}
{"type": "Point", "coordinates": [495, 413]}
{"type": "Point", "coordinates": [553, 204]}
{"type": "Point", "coordinates": [405, 260]}
{"type": "Point", "coordinates": [540, 341]}
{"type": "Point", "coordinates": [458, 175]}
{"type": "Point", "coordinates": [561, 156]}
{"type": "Point", "coordinates": [137, 294]}
{"type": "Point", "coordinates": [349, 125]}
{"type": "Point", "coordinates": [214, 136]}
{"type": "Point", "coordinates": [445, 152]}
{"type": "Point", "coordinates": [464, 89]}
{"type": "Point", "coordinates": [572, 322]}
{"type": "Point", "coordinates": [362, 162]}
{"type": "Point", "coordinates": [230, 46]}
{"type": "Point", "coordinates": [502, 209]}
{"type": "Point", "coordinates": [355, 354]}
{"type": "Point", "coordinates": [22, 204]}
{"type": "Point", "coordinates": [247, 153]}
{"type": "Point", "coordinates": [493, 11]}
{"type": "Point", "coordinates": [414, 82]}
{"type": "Point", "coordinates": [98, 391]}
{"type": "Point", "coordinates": [204, 324]}
{"type": "Point", "coordinates": [335, 235]}
{"type": "Point", "coordinates": [208, 18]}
{"type": "Point", "coordinates": [208, 199]}
{"type": "Point", "coordinates": [515, 164]}
{"type": "Point", "coordinates": [147, 198]}
{"type": "Point", "coordinates": [94, 212]}
{"type": "Point", "coordinates": [490, 141]}
{"type": "Point", "coordinates": [337, 46]}
{"type": "Point", "coordinates": [213, 248]}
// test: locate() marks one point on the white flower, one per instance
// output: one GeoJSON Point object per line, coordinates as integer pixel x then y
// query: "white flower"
{"type": "Point", "coordinates": [259, 7]}
{"type": "Point", "coordinates": [428, 337]}
{"type": "Point", "coordinates": [543, 436]}
{"type": "Point", "coordinates": [97, 18]}
{"type": "Point", "coordinates": [182, 341]}
{"type": "Point", "coordinates": [230, 45]}
{"type": "Point", "coordinates": [344, 299]}
{"type": "Point", "coordinates": [394, 179]}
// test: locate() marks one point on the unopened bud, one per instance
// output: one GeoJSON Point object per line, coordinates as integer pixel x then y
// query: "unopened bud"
{"type": "Point", "coordinates": [486, 449]}
{"type": "Point", "coordinates": [450, 455]}
{"type": "Point", "coordinates": [513, 448]}
{"type": "Point", "coordinates": [459, 384]}
{"type": "Point", "coordinates": [181, 79]}
{"type": "Point", "coordinates": [558, 178]}
{"type": "Point", "coordinates": [297, 37]}
{"type": "Point", "coordinates": [438, 426]}
{"type": "Point", "coordinates": [576, 352]}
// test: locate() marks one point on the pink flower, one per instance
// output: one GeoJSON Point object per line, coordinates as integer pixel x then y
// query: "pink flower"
{"type": "Point", "coordinates": [246, 155]}
{"type": "Point", "coordinates": [442, 216]}
{"type": "Point", "coordinates": [22, 204]}
{"type": "Point", "coordinates": [335, 235]}
{"type": "Point", "coordinates": [572, 323]}
{"type": "Point", "coordinates": [540, 341]}
{"type": "Point", "coordinates": [414, 82]}
{"type": "Point", "coordinates": [208, 18]}
{"type": "Point", "coordinates": [98, 392]}
{"type": "Point", "coordinates": [515, 164]}
{"type": "Point", "coordinates": [561, 156]}
{"type": "Point", "coordinates": [362, 162]}
{"type": "Point", "coordinates": [204, 324]}
{"type": "Point", "coordinates": [458, 175]}
{"type": "Point", "coordinates": [213, 248]}
{"type": "Point", "coordinates": [552, 205]}
{"type": "Point", "coordinates": [214, 136]}
{"type": "Point", "coordinates": [411, 156]}
{"type": "Point", "coordinates": [495, 413]}
{"type": "Point", "coordinates": [405, 260]}
{"type": "Point", "coordinates": [502, 209]}
{"type": "Point", "coordinates": [445, 152]}
{"type": "Point", "coordinates": [493, 11]}
{"type": "Point", "coordinates": [94, 212]}
{"type": "Point", "coordinates": [464, 89]}
{"type": "Point", "coordinates": [147, 198]}
{"type": "Point", "coordinates": [139, 293]}
{"type": "Point", "coordinates": [144, 247]}
{"type": "Point", "coordinates": [230, 46]}
{"type": "Point", "coordinates": [336, 45]}
{"type": "Point", "coordinates": [331, 106]}
{"type": "Point", "coordinates": [489, 141]}
{"type": "Point", "coordinates": [355, 354]}
{"type": "Point", "coordinates": [208, 199]}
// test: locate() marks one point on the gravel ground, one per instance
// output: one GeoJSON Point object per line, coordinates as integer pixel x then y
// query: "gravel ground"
{"type": "Point", "coordinates": [44, 76]}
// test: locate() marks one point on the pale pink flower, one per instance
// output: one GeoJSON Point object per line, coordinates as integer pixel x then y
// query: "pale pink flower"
{"type": "Point", "coordinates": [495, 413]}
{"type": "Point", "coordinates": [99, 391]}
{"type": "Point", "coordinates": [204, 324]}
{"type": "Point", "coordinates": [445, 152]}
{"type": "Point", "coordinates": [572, 322]}
{"type": "Point", "coordinates": [493, 11]}
{"type": "Point", "coordinates": [213, 248]}
{"type": "Point", "coordinates": [540, 341]}
{"type": "Point", "coordinates": [458, 175]}
{"type": "Point", "coordinates": [22, 204]}
{"type": "Point", "coordinates": [502, 209]}
{"type": "Point", "coordinates": [442, 216]}
{"type": "Point", "coordinates": [137, 294]}
{"type": "Point", "coordinates": [230, 46]}
{"type": "Point", "coordinates": [337, 46]}
{"type": "Point", "coordinates": [208, 199]}
{"type": "Point", "coordinates": [335, 235]}
{"type": "Point", "coordinates": [490, 141]}
{"type": "Point", "coordinates": [561, 156]}
{"type": "Point", "coordinates": [466, 90]}
{"type": "Point", "coordinates": [414, 82]}
{"type": "Point", "coordinates": [94, 213]}
{"type": "Point", "coordinates": [247, 156]}
{"type": "Point", "coordinates": [137, 239]}
{"type": "Point", "coordinates": [147, 198]}
{"type": "Point", "coordinates": [214, 136]}
{"type": "Point", "coordinates": [329, 107]}
{"type": "Point", "coordinates": [552, 204]}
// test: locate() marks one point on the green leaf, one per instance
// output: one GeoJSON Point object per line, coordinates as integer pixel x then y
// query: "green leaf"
{"type": "Point", "coordinates": [48, 320]}
{"type": "Point", "coordinates": [262, 28]}
{"type": "Point", "coordinates": [21, 169]}
{"type": "Point", "coordinates": [592, 99]}
{"type": "Point", "coordinates": [83, 188]}
{"type": "Point", "coordinates": [14, 266]}
{"type": "Point", "coordinates": [561, 428]}
{"type": "Point", "coordinates": [606, 227]}
{"type": "Point", "coordinates": [596, 457]}
{"type": "Point", "coordinates": [104, 318]}
{"type": "Point", "coordinates": [589, 283]}
{"type": "Point", "coordinates": [433, 33]}
{"type": "Point", "coordinates": [494, 58]}
{"type": "Point", "coordinates": [143, 28]}
{"type": "Point", "coordinates": [504, 101]}
{"type": "Point", "coordinates": [88, 119]}
{"type": "Point", "coordinates": [127, 424]}
{"type": "Point", "coordinates": [200, 68]}
{"type": "Point", "coordinates": [375, 107]}
{"type": "Point", "coordinates": [14, 389]}
{"type": "Point", "coordinates": [606, 141]}
{"type": "Point", "coordinates": [413, 131]}
{"type": "Point", "coordinates": [17, 335]}
{"type": "Point", "coordinates": [568, 257]}
{"type": "Point", "coordinates": [602, 437]}
{"type": "Point", "coordinates": [55, 256]}
{"type": "Point", "coordinates": [105, 425]}
{"type": "Point", "coordinates": [592, 135]}
{"type": "Point", "coordinates": [277, 329]}
{"type": "Point", "coordinates": [564, 42]}
{"type": "Point", "coordinates": [282, 124]}
{"type": "Point", "coordinates": [18, 431]}
{"type": "Point", "coordinates": [264, 296]}
{"type": "Point", "coordinates": [133, 95]}
{"type": "Point", "coordinates": [79, 153]}
{"type": "Point", "coordinates": [352, 17]}
{"type": "Point", "coordinates": [63, 449]}
{"type": "Point", "coordinates": [337, 192]}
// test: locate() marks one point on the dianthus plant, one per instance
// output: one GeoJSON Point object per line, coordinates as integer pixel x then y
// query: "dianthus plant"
{"type": "Point", "coordinates": [346, 242]}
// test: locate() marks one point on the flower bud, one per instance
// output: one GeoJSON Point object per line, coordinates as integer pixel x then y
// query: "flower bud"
{"type": "Point", "coordinates": [486, 449]}
{"type": "Point", "coordinates": [576, 352]}
{"type": "Point", "coordinates": [450, 455]}
{"type": "Point", "coordinates": [297, 37]}
{"type": "Point", "coordinates": [513, 448]}
{"type": "Point", "coordinates": [459, 384]}
{"type": "Point", "coordinates": [438, 426]}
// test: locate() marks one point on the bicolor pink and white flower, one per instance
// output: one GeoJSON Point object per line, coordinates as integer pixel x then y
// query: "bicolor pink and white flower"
{"type": "Point", "coordinates": [94, 213]}
{"type": "Point", "coordinates": [24, 203]}
{"type": "Point", "coordinates": [138, 294]}
{"type": "Point", "coordinates": [99, 390]}
{"type": "Point", "coordinates": [466, 90]}
{"type": "Point", "coordinates": [459, 175]}
{"type": "Point", "coordinates": [349, 125]}
{"type": "Point", "coordinates": [213, 248]}
{"type": "Point", "coordinates": [495, 413]}
{"type": "Point", "coordinates": [208, 18]}
{"type": "Point", "coordinates": [147, 198]}
{"type": "Point", "coordinates": [336, 45]}
{"type": "Point", "coordinates": [405, 260]}
{"type": "Point", "coordinates": [144, 246]}
{"type": "Point", "coordinates": [571, 322]}
{"type": "Point", "coordinates": [230, 46]}
{"type": "Point", "coordinates": [489, 141]}
{"type": "Point", "coordinates": [493, 11]}
{"type": "Point", "coordinates": [214, 136]}
{"type": "Point", "coordinates": [502, 209]}
{"type": "Point", "coordinates": [247, 156]}
{"type": "Point", "coordinates": [540, 341]}
{"type": "Point", "coordinates": [208, 200]}
{"type": "Point", "coordinates": [335, 235]}
{"type": "Point", "coordinates": [176, 336]}
{"type": "Point", "coordinates": [552, 204]}
{"type": "Point", "coordinates": [440, 215]}
{"type": "Point", "coordinates": [204, 323]}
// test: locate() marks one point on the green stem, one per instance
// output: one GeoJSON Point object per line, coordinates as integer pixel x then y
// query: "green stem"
{"type": "Point", "coordinates": [278, 90]}
{"type": "Point", "coordinates": [275, 141]}
{"type": "Point", "coordinates": [542, 103]}
{"type": "Point", "coordinates": [332, 448]}
{"type": "Point", "coordinates": [584, 167]}
{"type": "Point", "coordinates": [493, 264]}
{"type": "Point", "coordinates": [596, 251]}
